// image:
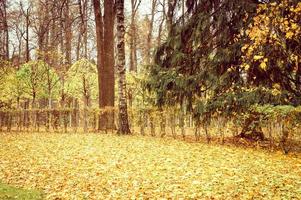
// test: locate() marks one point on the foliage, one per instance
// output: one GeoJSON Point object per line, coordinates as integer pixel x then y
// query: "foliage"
{"type": "Point", "coordinates": [38, 80]}
{"type": "Point", "coordinates": [142, 99]}
{"type": "Point", "coordinates": [51, 84]}
{"type": "Point", "coordinates": [7, 82]}
{"type": "Point", "coordinates": [222, 64]}
{"type": "Point", "coordinates": [272, 52]}
{"type": "Point", "coordinates": [82, 79]}
{"type": "Point", "coordinates": [290, 116]}
{"type": "Point", "coordinates": [192, 61]}
{"type": "Point", "coordinates": [77, 166]}
{"type": "Point", "coordinates": [32, 77]}
{"type": "Point", "coordinates": [35, 79]}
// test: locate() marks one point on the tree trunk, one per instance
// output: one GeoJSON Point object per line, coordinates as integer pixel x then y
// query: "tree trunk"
{"type": "Point", "coordinates": [159, 38]}
{"type": "Point", "coordinates": [86, 104]}
{"type": "Point", "coordinates": [4, 34]}
{"type": "Point", "coordinates": [100, 58]}
{"type": "Point", "coordinates": [251, 129]}
{"type": "Point", "coordinates": [150, 33]}
{"type": "Point", "coordinates": [83, 33]}
{"type": "Point", "coordinates": [123, 126]}
{"type": "Point", "coordinates": [105, 61]}
{"type": "Point", "coordinates": [108, 84]}
{"type": "Point", "coordinates": [68, 33]}
{"type": "Point", "coordinates": [197, 131]}
{"type": "Point", "coordinates": [133, 44]}
{"type": "Point", "coordinates": [48, 116]}
{"type": "Point", "coordinates": [133, 37]}
{"type": "Point", "coordinates": [27, 35]}
{"type": "Point", "coordinates": [170, 15]}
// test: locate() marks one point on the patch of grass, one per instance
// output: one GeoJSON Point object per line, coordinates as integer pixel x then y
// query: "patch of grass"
{"type": "Point", "coordinates": [99, 166]}
{"type": "Point", "coordinates": [12, 193]}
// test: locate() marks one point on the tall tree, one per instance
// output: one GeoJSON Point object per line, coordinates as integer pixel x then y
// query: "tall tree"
{"type": "Point", "coordinates": [108, 84]}
{"type": "Point", "coordinates": [123, 125]}
{"type": "Point", "coordinates": [4, 46]}
{"type": "Point", "coordinates": [26, 12]}
{"type": "Point", "coordinates": [82, 43]}
{"type": "Point", "coordinates": [105, 60]}
{"type": "Point", "coordinates": [133, 35]}
{"type": "Point", "coordinates": [68, 32]}
{"type": "Point", "coordinates": [100, 53]}
{"type": "Point", "coordinates": [170, 14]}
{"type": "Point", "coordinates": [150, 31]}
{"type": "Point", "coordinates": [163, 18]}
{"type": "Point", "coordinates": [42, 29]}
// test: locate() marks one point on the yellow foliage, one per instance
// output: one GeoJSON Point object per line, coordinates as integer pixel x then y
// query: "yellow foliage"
{"type": "Point", "coordinates": [270, 26]}
{"type": "Point", "coordinates": [98, 166]}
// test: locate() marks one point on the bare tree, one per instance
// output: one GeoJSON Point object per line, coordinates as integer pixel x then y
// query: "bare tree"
{"type": "Point", "coordinates": [133, 35]}
{"type": "Point", "coordinates": [162, 21]}
{"type": "Point", "coordinates": [4, 32]}
{"type": "Point", "coordinates": [150, 31]}
{"type": "Point", "coordinates": [26, 12]}
{"type": "Point", "coordinates": [170, 14]}
{"type": "Point", "coordinates": [83, 27]}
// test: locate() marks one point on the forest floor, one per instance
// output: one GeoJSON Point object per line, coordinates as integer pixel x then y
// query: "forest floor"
{"type": "Point", "coordinates": [99, 166]}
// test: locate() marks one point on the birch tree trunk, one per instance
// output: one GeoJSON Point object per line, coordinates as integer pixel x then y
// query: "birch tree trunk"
{"type": "Point", "coordinates": [123, 125]}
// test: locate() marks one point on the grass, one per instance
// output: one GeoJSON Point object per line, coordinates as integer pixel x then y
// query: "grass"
{"type": "Point", "coordinates": [98, 166]}
{"type": "Point", "coordinates": [13, 193]}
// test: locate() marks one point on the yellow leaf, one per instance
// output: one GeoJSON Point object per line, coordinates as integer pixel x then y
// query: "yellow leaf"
{"type": "Point", "coordinates": [244, 48]}
{"type": "Point", "coordinates": [263, 65]}
{"type": "Point", "coordinates": [294, 26]}
{"type": "Point", "coordinates": [276, 86]}
{"type": "Point", "coordinates": [289, 34]}
{"type": "Point", "coordinates": [257, 57]}
{"type": "Point", "coordinates": [245, 66]}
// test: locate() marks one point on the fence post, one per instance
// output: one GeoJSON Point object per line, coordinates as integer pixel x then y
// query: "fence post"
{"type": "Point", "coordinates": [162, 123]}
{"type": "Point", "coordinates": [152, 125]}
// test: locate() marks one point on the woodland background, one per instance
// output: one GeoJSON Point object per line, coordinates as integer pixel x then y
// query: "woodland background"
{"type": "Point", "coordinates": [212, 69]}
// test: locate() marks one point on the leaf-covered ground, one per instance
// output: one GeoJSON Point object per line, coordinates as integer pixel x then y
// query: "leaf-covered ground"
{"type": "Point", "coordinates": [97, 166]}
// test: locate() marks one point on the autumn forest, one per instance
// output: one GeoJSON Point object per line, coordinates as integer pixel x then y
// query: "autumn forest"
{"type": "Point", "coordinates": [150, 99]}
